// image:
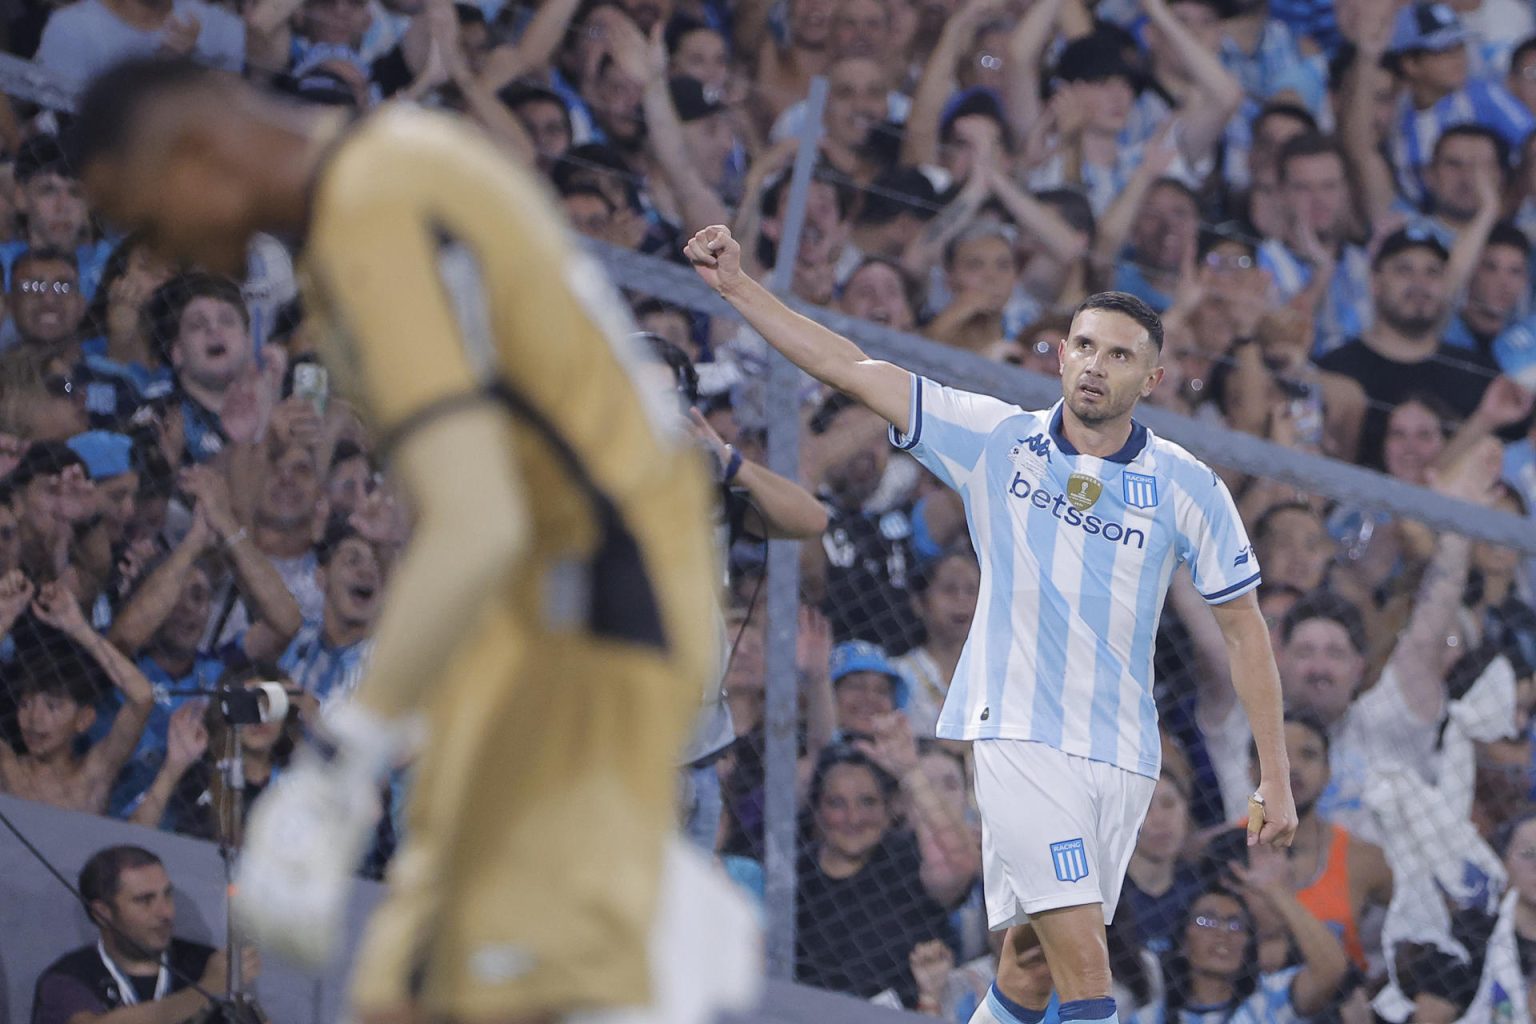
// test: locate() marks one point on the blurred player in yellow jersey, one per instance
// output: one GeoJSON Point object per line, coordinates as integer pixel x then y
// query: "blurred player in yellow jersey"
{"type": "Point", "coordinates": [549, 630]}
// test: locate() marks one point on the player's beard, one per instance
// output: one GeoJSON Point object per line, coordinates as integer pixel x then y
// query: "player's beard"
{"type": "Point", "coordinates": [1106, 411]}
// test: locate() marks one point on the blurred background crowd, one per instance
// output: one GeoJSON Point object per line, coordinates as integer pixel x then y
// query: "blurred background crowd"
{"type": "Point", "coordinates": [1330, 204]}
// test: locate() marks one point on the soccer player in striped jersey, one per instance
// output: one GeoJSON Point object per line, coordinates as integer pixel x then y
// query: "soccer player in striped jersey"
{"type": "Point", "coordinates": [1079, 515]}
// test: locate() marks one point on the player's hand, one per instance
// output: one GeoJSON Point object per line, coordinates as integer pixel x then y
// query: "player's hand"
{"type": "Point", "coordinates": [1278, 827]}
{"type": "Point", "coordinates": [307, 835]}
{"type": "Point", "coordinates": [717, 257]}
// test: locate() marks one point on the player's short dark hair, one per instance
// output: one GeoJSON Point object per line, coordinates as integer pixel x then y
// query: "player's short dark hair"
{"type": "Point", "coordinates": [1305, 145]}
{"type": "Point", "coordinates": [1329, 607]}
{"type": "Point", "coordinates": [1473, 130]}
{"type": "Point", "coordinates": [1126, 305]}
{"type": "Point", "coordinates": [162, 313]}
{"type": "Point", "coordinates": [108, 114]}
{"type": "Point", "coordinates": [103, 873]}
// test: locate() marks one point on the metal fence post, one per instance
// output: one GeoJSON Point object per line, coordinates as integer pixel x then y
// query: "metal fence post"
{"type": "Point", "coordinates": [783, 584]}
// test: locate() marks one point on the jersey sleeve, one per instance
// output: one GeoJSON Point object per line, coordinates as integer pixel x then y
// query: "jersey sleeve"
{"type": "Point", "coordinates": [947, 429]}
{"type": "Point", "coordinates": [410, 330]}
{"type": "Point", "coordinates": [1212, 538]}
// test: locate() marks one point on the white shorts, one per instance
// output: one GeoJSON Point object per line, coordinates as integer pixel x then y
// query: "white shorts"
{"type": "Point", "coordinates": [1057, 830]}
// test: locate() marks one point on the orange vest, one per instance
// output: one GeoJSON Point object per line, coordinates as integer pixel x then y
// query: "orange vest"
{"type": "Point", "coordinates": [1328, 898]}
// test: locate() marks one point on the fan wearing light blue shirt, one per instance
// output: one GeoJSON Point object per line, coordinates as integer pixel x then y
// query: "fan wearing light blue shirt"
{"type": "Point", "coordinates": [1079, 516]}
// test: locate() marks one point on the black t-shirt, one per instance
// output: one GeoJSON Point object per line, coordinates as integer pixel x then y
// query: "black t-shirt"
{"type": "Point", "coordinates": [868, 592]}
{"type": "Point", "coordinates": [854, 934]}
{"type": "Point", "coordinates": [1457, 376]}
{"type": "Point", "coordinates": [78, 982]}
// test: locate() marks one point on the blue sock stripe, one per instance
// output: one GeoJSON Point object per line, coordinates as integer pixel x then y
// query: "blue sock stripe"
{"type": "Point", "coordinates": [1010, 1012]}
{"type": "Point", "coordinates": [1098, 1011]}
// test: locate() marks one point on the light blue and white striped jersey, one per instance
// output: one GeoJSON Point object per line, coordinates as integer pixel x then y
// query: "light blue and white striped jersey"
{"type": "Point", "coordinates": [1269, 1004]}
{"type": "Point", "coordinates": [1076, 553]}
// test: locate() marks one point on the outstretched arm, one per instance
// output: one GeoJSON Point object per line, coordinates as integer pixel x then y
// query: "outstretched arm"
{"type": "Point", "coordinates": [1219, 94]}
{"type": "Point", "coordinates": [825, 355]}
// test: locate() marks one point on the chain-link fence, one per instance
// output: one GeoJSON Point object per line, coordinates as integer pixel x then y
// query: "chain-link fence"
{"type": "Point", "coordinates": [184, 493]}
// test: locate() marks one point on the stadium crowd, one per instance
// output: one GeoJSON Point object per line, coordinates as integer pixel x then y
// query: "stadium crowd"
{"type": "Point", "coordinates": [1331, 204]}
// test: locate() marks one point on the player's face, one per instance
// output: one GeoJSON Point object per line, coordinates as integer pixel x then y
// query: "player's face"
{"type": "Point", "coordinates": [860, 697]}
{"type": "Point", "coordinates": [1320, 669]}
{"type": "Point", "coordinates": [1309, 765]}
{"type": "Point", "coordinates": [144, 910]}
{"type": "Point", "coordinates": [353, 582]}
{"type": "Point", "coordinates": [1520, 862]}
{"type": "Point", "coordinates": [1166, 827]}
{"type": "Point", "coordinates": [1295, 550]}
{"type": "Point", "coordinates": [852, 814]}
{"type": "Point", "coordinates": [1108, 364]}
{"type": "Point", "coordinates": [1216, 938]}
{"type": "Point", "coordinates": [49, 723]}
{"type": "Point", "coordinates": [949, 603]}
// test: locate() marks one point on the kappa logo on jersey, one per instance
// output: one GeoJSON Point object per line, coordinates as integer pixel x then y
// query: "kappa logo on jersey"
{"type": "Point", "coordinates": [1070, 860]}
{"type": "Point", "coordinates": [1083, 490]}
{"type": "Point", "coordinates": [1038, 446]}
{"type": "Point", "coordinates": [1140, 490]}
{"type": "Point", "coordinates": [1243, 557]}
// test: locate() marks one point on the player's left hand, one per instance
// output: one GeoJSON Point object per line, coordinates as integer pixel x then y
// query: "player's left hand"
{"type": "Point", "coordinates": [1279, 823]}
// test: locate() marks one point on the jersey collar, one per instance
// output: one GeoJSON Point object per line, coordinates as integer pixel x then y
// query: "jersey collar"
{"type": "Point", "coordinates": [1125, 456]}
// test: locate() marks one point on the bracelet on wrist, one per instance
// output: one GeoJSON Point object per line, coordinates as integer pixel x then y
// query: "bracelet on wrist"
{"type": "Point", "coordinates": [236, 537]}
{"type": "Point", "coordinates": [732, 465]}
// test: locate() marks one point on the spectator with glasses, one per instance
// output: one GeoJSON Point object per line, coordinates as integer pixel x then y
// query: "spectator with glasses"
{"type": "Point", "coordinates": [1215, 974]}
